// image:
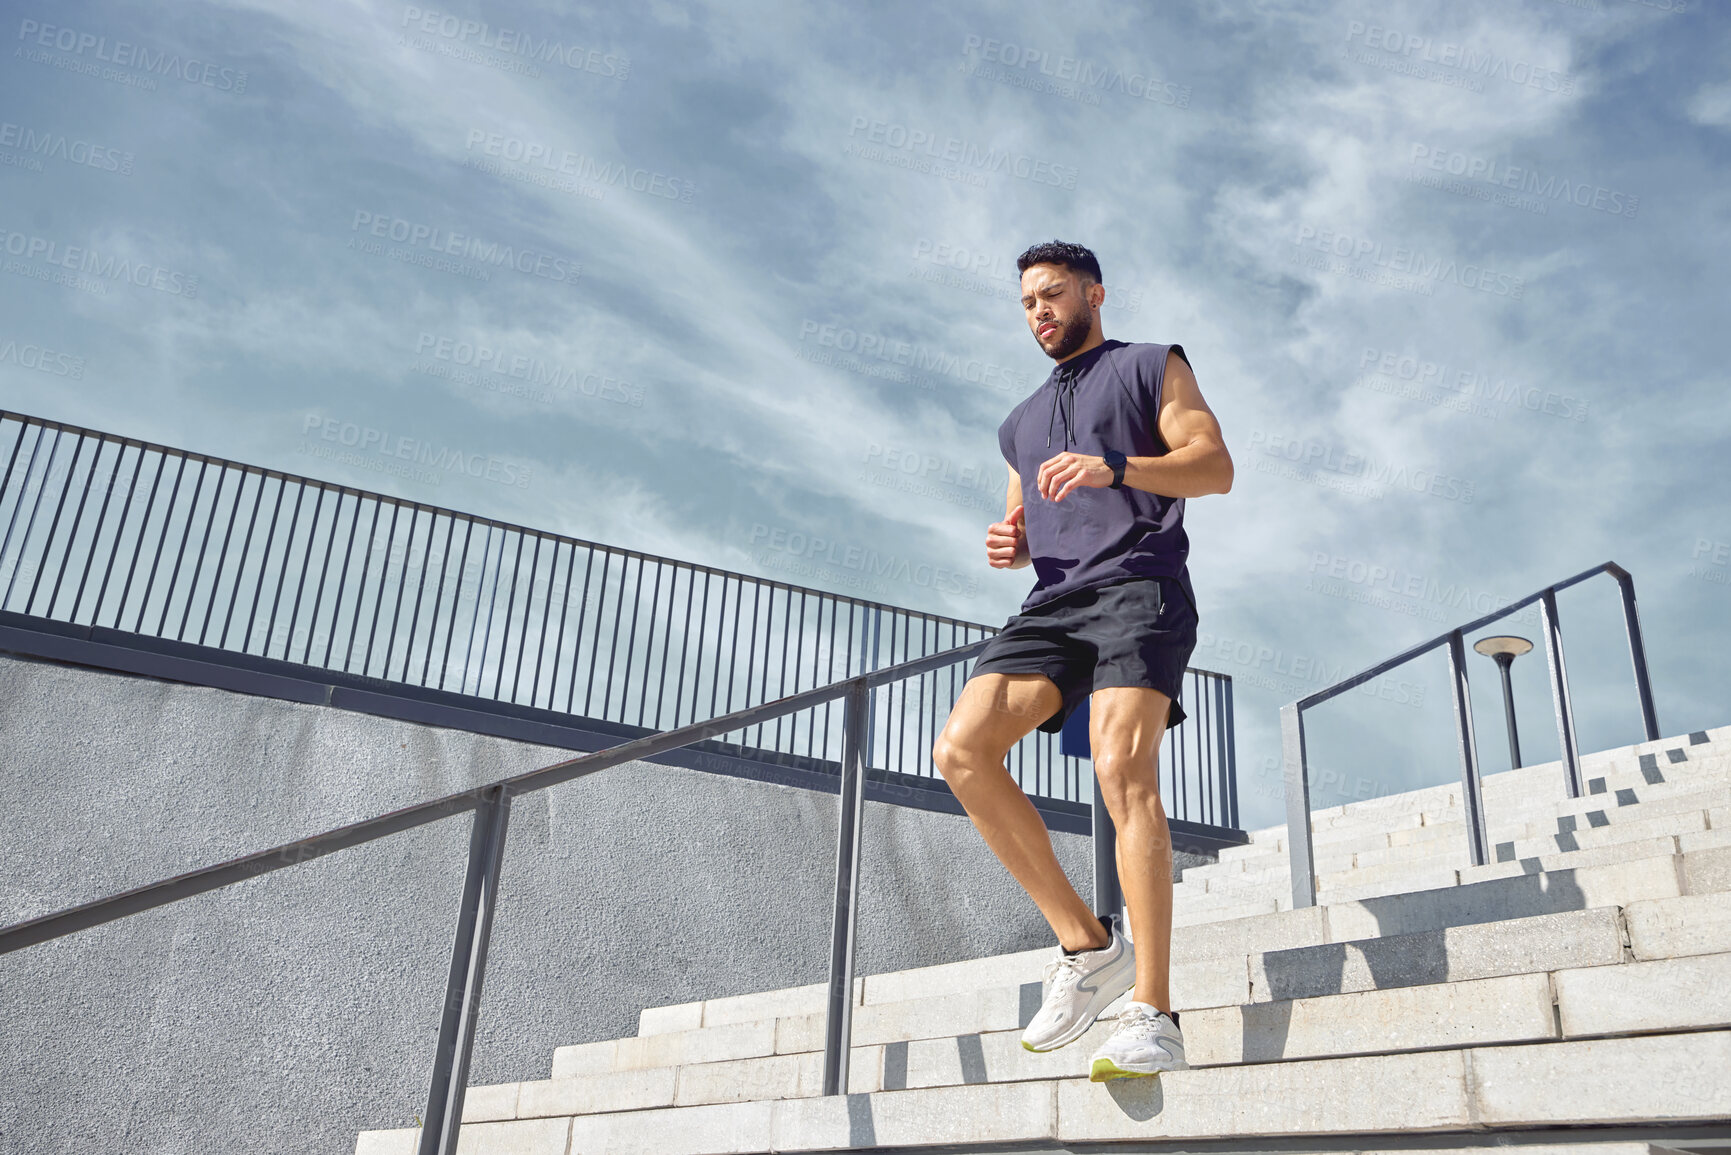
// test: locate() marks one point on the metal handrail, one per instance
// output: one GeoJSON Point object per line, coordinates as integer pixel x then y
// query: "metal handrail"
{"type": "Point", "coordinates": [110, 532]}
{"type": "Point", "coordinates": [1295, 758]}
{"type": "Point", "coordinates": [491, 804]}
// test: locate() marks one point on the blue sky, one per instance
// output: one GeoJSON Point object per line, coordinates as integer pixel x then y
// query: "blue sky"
{"type": "Point", "coordinates": [707, 279]}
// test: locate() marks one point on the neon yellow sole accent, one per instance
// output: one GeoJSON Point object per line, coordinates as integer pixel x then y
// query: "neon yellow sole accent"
{"type": "Point", "coordinates": [1105, 1070]}
{"type": "Point", "coordinates": [1027, 1046]}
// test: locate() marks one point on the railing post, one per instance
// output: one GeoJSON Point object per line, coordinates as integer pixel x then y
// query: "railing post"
{"type": "Point", "coordinates": [1108, 895]}
{"type": "Point", "coordinates": [468, 964]}
{"type": "Point", "coordinates": [1565, 711]}
{"type": "Point", "coordinates": [1638, 654]}
{"type": "Point", "coordinates": [1472, 791]}
{"type": "Point", "coordinates": [838, 1017]}
{"type": "Point", "coordinates": [1229, 745]}
{"type": "Point", "coordinates": [1298, 844]}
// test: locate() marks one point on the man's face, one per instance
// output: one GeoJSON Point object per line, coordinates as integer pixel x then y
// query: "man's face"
{"type": "Point", "coordinates": [1060, 308]}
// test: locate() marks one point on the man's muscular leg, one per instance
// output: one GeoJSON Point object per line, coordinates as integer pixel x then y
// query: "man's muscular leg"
{"type": "Point", "coordinates": [1125, 728]}
{"type": "Point", "coordinates": [994, 712]}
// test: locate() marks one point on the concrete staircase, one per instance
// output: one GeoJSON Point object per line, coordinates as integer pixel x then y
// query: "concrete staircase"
{"type": "Point", "coordinates": [1575, 995]}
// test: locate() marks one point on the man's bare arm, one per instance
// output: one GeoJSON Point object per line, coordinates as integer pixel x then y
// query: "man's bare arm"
{"type": "Point", "coordinates": [1196, 463]}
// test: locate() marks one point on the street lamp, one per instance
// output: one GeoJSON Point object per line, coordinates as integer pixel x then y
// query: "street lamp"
{"type": "Point", "coordinates": [1504, 650]}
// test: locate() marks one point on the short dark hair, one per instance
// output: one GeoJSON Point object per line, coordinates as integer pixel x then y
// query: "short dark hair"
{"type": "Point", "coordinates": [1073, 257]}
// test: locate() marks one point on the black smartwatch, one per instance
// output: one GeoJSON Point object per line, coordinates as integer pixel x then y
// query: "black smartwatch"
{"type": "Point", "coordinates": [1116, 462]}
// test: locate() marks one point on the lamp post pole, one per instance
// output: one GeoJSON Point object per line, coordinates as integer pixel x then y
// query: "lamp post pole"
{"type": "Point", "coordinates": [1503, 651]}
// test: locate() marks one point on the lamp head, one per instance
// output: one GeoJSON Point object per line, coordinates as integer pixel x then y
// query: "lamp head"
{"type": "Point", "coordinates": [1504, 647]}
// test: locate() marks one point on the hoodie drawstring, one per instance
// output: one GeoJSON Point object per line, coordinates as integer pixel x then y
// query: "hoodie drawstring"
{"type": "Point", "coordinates": [1063, 400]}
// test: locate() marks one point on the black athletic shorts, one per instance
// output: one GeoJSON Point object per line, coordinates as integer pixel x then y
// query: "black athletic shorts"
{"type": "Point", "coordinates": [1138, 632]}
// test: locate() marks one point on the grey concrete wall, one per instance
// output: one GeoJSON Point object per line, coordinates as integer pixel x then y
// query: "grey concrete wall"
{"type": "Point", "coordinates": [286, 1013]}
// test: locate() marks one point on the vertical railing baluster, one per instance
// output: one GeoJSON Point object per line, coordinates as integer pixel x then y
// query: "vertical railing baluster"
{"type": "Point", "coordinates": [528, 602]}
{"type": "Point", "coordinates": [54, 524]}
{"type": "Point", "coordinates": [24, 489]}
{"type": "Point", "coordinates": [361, 581]}
{"type": "Point", "coordinates": [263, 563]}
{"type": "Point", "coordinates": [306, 572]}
{"type": "Point", "coordinates": [288, 551]}
{"type": "Point", "coordinates": [456, 601]}
{"type": "Point", "coordinates": [838, 1013]}
{"type": "Point", "coordinates": [475, 619]}
{"type": "Point", "coordinates": [384, 580]}
{"type": "Point", "coordinates": [1637, 653]}
{"type": "Point", "coordinates": [1472, 792]}
{"type": "Point", "coordinates": [180, 553]}
{"type": "Point", "coordinates": [1551, 627]}
{"type": "Point", "coordinates": [595, 653]}
{"type": "Point", "coordinates": [577, 634]}
{"type": "Point", "coordinates": [198, 561]}
{"type": "Point", "coordinates": [72, 534]}
{"type": "Point", "coordinates": [324, 573]}
{"type": "Point", "coordinates": [222, 556]}
{"type": "Point", "coordinates": [96, 538]}
{"type": "Point", "coordinates": [138, 540]}
{"type": "Point", "coordinates": [402, 590]}
{"type": "Point", "coordinates": [161, 539]}
{"type": "Point", "coordinates": [421, 591]}
{"type": "Point", "coordinates": [1299, 845]}
{"type": "Point", "coordinates": [462, 1007]}
{"type": "Point", "coordinates": [648, 642]}
{"type": "Point", "coordinates": [613, 646]}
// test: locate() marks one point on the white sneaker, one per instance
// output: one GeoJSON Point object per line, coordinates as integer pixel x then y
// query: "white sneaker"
{"type": "Point", "coordinates": [1145, 1042]}
{"type": "Point", "coordinates": [1078, 988]}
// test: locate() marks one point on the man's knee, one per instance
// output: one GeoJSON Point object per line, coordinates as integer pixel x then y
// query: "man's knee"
{"type": "Point", "coordinates": [958, 756]}
{"type": "Point", "coordinates": [1125, 779]}
{"type": "Point", "coordinates": [950, 754]}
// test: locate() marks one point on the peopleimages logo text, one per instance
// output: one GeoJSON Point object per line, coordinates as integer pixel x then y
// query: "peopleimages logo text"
{"type": "Point", "coordinates": [1308, 453]}
{"type": "Point", "coordinates": [1075, 70]}
{"type": "Point", "coordinates": [579, 166]}
{"type": "Point", "coordinates": [1427, 374]}
{"type": "Point", "coordinates": [913, 356]}
{"type": "Point", "coordinates": [954, 150]}
{"type": "Point", "coordinates": [536, 372]}
{"type": "Point", "coordinates": [1465, 59]}
{"type": "Point", "coordinates": [1526, 179]}
{"type": "Point", "coordinates": [59, 146]}
{"type": "Point", "coordinates": [862, 560]}
{"type": "Point", "coordinates": [108, 267]}
{"type": "Point", "coordinates": [126, 55]}
{"type": "Point", "coordinates": [1401, 259]}
{"type": "Point", "coordinates": [433, 239]}
{"type": "Point", "coordinates": [30, 356]}
{"type": "Point", "coordinates": [365, 438]}
{"type": "Point", "coordinates": [515, 42]}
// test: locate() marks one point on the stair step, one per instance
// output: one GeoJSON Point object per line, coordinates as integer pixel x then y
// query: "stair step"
{"type": "Point", "coordinates": [1678, 927]}
{"type": "Point", "coordinates": [1510, 796]}
{"type": "Point", "coordinates": [1539, 943]}
{"type": "Point", "coordinates": [1677, 1078]}
{"type": "Point", "coordinates": [1346, 888]}
{"type": "Point", "coordinates": [1536, 833]}
{"type": "Point", "coordinates": [1511, 1009]}
{"type": "Point", "coordinates": [1678, 832]}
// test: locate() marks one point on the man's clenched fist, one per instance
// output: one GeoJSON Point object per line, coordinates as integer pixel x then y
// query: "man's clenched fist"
{"type": "Point", "coordinates": [1006, 541]}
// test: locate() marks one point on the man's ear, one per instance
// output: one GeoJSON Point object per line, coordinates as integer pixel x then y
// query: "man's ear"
{"type": "Point", "coordinates": [1096, 295]}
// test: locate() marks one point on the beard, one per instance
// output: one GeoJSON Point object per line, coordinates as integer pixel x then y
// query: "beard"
{"type": "Point", "coordinates": [1071, 335]}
